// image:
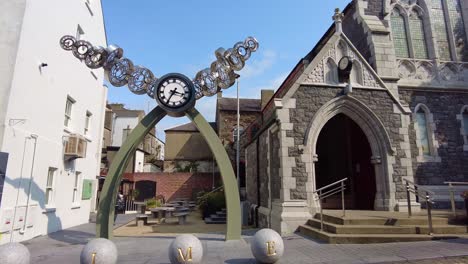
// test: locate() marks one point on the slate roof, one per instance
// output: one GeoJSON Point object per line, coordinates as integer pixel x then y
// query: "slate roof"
{"type": "Point", "coordinates": [188, 127]}
{"type": "Point", "coordinates": [245, 105]}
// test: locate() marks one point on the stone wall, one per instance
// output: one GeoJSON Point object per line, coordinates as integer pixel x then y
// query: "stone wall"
{"type": "Point", "coordinates": [453, 162]}
{"type": "Point", "coordinates": [309, 99]}
{"type": "Point", "coordinates": [275, 165]}
{"type": "Point", "coordinates": [263, 169]}
{"type": "Point", "coordinates": [251, 173]}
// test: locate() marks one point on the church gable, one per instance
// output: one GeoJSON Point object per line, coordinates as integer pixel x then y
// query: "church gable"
{"type": "Point", "coordinates": [323, 69]}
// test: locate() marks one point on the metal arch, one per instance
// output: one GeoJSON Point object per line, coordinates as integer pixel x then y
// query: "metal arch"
{"type": "Point", "coordinates": [105, 216]}
{"type": "Point", "coordinates": [231, 193]}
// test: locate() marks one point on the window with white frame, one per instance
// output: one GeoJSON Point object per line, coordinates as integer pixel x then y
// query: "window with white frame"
{"type": "Point", "coordinates": [234, 133]}
{"type": "Point", "coordinates": [425, 140]}
{"type": "Point", "coordinates": [49, 190]}
{"type": "Point", "coordinates": [87, 123]}
{"type": "Point", "coordinates": [68, 111]}
{"type": "Point", "coordinates": [76, 188]}
{"type": "Point", "coordinates": [463, 117]}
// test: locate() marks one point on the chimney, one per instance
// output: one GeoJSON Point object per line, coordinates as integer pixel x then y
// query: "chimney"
{"type": "Point", "coordinates": [266, 96]}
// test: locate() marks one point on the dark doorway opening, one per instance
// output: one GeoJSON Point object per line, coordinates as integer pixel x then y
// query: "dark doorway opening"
{"type": "Point", "coordinates": [344, 151]}
{"type": "Point", "coordinates": [146, 190]}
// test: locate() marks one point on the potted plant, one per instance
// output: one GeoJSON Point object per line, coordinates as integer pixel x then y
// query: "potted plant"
{"type": "Point", "coordinates": [464, 195]}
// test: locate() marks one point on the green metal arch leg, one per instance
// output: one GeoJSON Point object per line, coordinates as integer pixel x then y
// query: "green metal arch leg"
{"type": "Point", "coordinates": [231, 192]}
{"type": "Point", "coordinates": [105, 216]}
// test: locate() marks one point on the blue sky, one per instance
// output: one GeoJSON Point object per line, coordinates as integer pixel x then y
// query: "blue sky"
{"type": "Point", "coordinates": [181, 36]}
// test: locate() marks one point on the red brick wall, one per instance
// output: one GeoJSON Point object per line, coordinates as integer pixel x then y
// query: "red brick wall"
{"type": "Point", "coordinates": [176, 185]}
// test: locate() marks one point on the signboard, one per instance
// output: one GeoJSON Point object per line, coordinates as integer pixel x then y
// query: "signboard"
{"type": "Point", "coordinates": [87, 190]}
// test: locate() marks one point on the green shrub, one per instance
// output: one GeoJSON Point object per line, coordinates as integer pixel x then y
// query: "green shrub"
{"type": "Point", "coordinates": [152, 203]}
{"type": "Point", "coordinates": [211, 203]}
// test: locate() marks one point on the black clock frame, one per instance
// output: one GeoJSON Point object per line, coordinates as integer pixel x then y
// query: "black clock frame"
{"type": "Point", "coordinates": [179, 110]}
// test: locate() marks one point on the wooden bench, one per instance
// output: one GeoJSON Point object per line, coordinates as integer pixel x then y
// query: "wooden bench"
{"type": "Point", "coordinates": [141, 220]}
{"type": "Point", "coordinates": [182, 217]}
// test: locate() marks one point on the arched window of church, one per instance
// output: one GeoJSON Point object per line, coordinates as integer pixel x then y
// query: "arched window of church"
{"type": "Point", "coordinates": [465, 120]}
{"type": "Point", "coordinates": [447, 20]}
{"type": "Point", "coordinates": [399, 34]}
{"type": "Point", "coordinates": [440, 27]}
{"type": "Point", "coordinates": [331, 72]}
{"type": "Point", "coordinates": [356, 73]}
{"type": "Point", "coordinates": [418, 37]}
{"type": "Point", "coordinates": [423, 135]}
{"type": "Point", "coordinates": [458, 29]}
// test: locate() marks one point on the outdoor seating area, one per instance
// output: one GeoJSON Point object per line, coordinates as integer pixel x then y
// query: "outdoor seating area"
{"type": "Point", "coordinates": [178, 209]}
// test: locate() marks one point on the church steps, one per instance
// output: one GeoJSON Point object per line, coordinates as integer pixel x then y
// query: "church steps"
{"type": "Point", "coordinates": [380, 227]}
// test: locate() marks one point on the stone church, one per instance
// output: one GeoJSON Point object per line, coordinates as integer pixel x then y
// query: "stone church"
{"type": "Point", "coordinates": [400, 113]}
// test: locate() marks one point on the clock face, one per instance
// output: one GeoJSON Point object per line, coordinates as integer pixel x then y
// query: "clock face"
{"type": "Point", "coordinates": [175, 92]}
{"type": "Point", "coordinates": [344, 63]}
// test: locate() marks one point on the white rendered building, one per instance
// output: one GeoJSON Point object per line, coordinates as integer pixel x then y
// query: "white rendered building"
{"type": "Point", "coordinates": [51, 117]}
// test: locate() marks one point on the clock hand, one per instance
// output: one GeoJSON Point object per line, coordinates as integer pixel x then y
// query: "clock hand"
{"type": "Point", "coordinates": [172, 93]}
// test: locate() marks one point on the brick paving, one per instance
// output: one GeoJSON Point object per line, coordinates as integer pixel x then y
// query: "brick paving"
{"type": "Point", "coordinates": [65, 247]}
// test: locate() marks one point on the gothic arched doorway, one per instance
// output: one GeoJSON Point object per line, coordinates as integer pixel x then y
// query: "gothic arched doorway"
{"type": "Point", "coordinates": [343, 150]}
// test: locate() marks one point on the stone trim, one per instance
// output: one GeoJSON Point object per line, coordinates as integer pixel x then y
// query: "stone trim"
{"type": "Point", "coordinates": [431, 128]}
{"type": "Point", "coordinates": [462, 127]}
{"type": "Point", "coordinates": [382, 150]}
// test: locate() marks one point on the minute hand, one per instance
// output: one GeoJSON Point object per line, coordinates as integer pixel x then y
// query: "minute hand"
{"type": "Point", "coordinates": [172, 93]}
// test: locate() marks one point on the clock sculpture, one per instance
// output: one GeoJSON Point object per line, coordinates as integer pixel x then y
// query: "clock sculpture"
{"type": "Point", "coordinates": [176, 95]}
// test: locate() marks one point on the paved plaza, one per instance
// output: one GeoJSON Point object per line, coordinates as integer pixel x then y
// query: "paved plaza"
{"type": "Point", "coordinates": [65, 247]}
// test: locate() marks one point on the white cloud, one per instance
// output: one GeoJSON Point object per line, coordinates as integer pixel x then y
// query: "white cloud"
{"type": "Point", "coordinates": [259, 66]}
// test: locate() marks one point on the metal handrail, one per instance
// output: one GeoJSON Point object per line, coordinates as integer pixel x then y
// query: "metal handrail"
{"type": "Point", "coordinates": [323, 193]}
{"type": "Point", "coordinates": [426, 195]}
{"type": "Point", "coordinates": [212, 191]}
{"type": "Point", "coordinates": [452, 194]}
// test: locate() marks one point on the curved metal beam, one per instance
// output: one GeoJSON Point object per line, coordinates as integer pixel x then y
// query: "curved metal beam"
{"type": "Point", "coordinates": [231, 192]}
{"type": "Point", "coordinates": [105, 215]}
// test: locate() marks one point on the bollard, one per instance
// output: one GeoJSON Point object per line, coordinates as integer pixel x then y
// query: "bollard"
{"type": "Point", "coordinates": [267, 246]}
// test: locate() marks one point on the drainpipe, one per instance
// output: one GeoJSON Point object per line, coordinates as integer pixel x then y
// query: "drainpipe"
{"type": "Point", "coordinates": [19, 186]}
{"type": "Point", "coordinates": [22, 231]}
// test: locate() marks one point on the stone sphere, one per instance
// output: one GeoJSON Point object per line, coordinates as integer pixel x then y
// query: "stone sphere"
{"type": "Point", "coordinates": [186, 249]}
{"type": "Point", "coordinates": [267, 246]}
{"type": "Point", "coordinates": [14, 253]}
{"type": "Point", "coordinates": [102, 250]}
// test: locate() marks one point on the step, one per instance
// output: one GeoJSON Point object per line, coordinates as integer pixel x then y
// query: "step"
{"type": "Point", "coordinates": [419, 220]}
{"type": "Point", "coordinates": [367, 238]}
{"type": "Point", "coordinates": [217, 217]}
{"type": "Point", "coordinates": [383, 229]}
{"type": "Point", "coordinates": [209, 221]}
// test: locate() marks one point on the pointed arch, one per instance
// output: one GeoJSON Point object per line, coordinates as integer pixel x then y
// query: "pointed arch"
{"type": "Point", "coordinates": [463, 117]}
{"type": "Point", "coordinates": [418, 35]}
{"type": "Point", "coordinates": [341, 50]}
{"type": "Point", "coordinates": [331, 71]}
{"type": "Point", "coordinates": [424, 127]}
{"type": "Point", "coordinates": [399, 32]}
{"type": "Point", "coordinates": [377, 136]}
{"type": "Point", "coordinates": [356, 73]}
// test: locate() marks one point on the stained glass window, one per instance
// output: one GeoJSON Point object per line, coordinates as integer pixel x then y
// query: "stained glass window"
{"type": "Point", "coordinates": [417, 36]}
{"type": "Point", "coordinates": [400, 40]}
{"type": "Point", "coordinates": [422, 132]}
{"type": "Point", "coordinates": [458, 28]}
{"type": "Point", "coordinates": [440, 27]}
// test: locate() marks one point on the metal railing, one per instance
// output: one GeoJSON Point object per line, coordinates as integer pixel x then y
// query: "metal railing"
{"type": "Point", "coordinates": [327, 191]}
{"type": "Point", "coordinates": [452, 195]}
{"type": "Point", "coordinates": [130, 205]}
{"type": "Point", "coordinates": [420, 193]}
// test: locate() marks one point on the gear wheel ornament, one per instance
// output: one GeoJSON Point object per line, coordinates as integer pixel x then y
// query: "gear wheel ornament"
{"type": "Point", "coordinates": [120, 71]}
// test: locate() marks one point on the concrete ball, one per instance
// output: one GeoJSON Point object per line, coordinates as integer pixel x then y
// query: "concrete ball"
{"type": "Point", "coordinates": [267, 246]}
{"type": "Point", "coordinates": [186, 249]}
{"type": "Point", "coordinates": [14, 253]}
{"type": "Point", "coordinates": [99, 250]}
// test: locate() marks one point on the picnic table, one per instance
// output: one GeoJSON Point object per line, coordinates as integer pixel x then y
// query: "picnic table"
{"type": "Point", "coordinates": [160, 213]}
{"type": "Point", "coordinates": [141, 207]}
